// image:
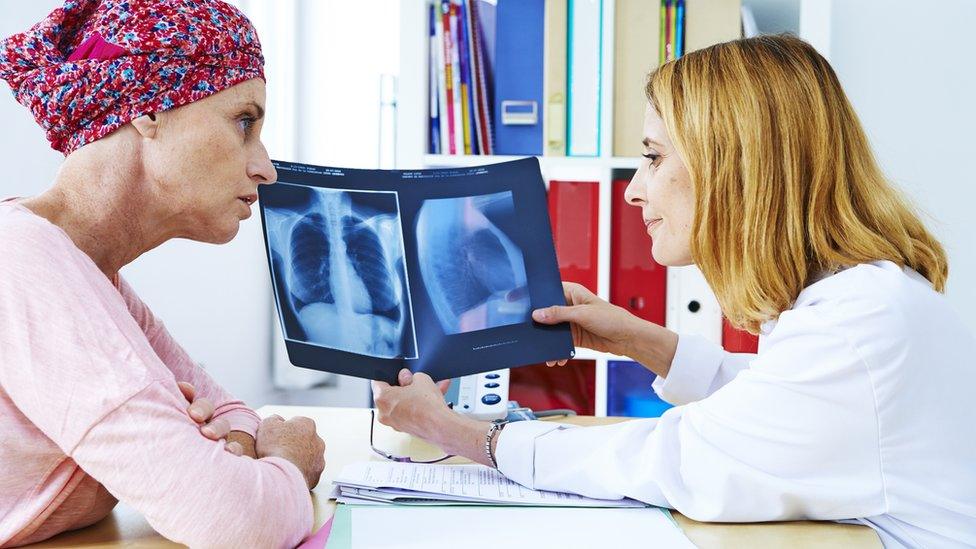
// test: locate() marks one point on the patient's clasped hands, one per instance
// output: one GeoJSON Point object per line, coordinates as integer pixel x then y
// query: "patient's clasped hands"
{"type": "Point", "coordinates": [294, 440]}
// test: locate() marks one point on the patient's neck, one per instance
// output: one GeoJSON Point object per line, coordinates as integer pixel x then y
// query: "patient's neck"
{"type": "Point", "coordinates": [104, 203]}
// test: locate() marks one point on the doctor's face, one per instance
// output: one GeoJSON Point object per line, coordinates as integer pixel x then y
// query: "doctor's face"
{"type": "Point", "coordinates": [662, 189]}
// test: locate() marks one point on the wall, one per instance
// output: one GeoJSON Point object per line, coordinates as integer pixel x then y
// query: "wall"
{"type": "Point", "coordinates": [22, 139]}
{"type": "Point", "coordinates": [914, 92]}
{"type": "Point", "coordinates": [775, 16]}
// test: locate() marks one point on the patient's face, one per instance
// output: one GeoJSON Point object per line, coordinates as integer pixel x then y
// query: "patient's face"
{"type": "Point", "coordinates": [662, 189]}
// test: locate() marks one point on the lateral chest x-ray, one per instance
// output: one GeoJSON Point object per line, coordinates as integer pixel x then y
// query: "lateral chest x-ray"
{"type": "Point", "coordinates": [473, 272]}
{"type": "Point", "coordinates": [433, 270]}
{"type": "Point", "coordinates": [340, 262]}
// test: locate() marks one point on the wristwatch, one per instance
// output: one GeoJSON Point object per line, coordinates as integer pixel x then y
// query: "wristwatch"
{"type": "Point", "coordinates": [496, 427]}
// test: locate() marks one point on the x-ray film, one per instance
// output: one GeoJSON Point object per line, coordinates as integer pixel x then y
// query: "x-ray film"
{"type": "Point", "coordinates": [434, 270]}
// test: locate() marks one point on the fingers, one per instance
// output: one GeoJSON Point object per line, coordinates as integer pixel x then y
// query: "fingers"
{"type": "Point", "coordinates": [379, 388]}
{"type": "Point", "coordinates": [444, 386]}
{"type": "Point", "coordinates": [307, 424]}
{"type": "Point", "coordinates": [201, 410]}
{"type": "Point", "coordinates": [576, 294]}
{"type": "Point", "coordinates": [189, 392]}
{"type": "Point", "coordinates": [556, 314]}
{"type": "Point", "coordinates": [216, 429]}
{"type": "Point", "coordinates": [273, 419]}
{"type": "Point", "coordinates": [234, 448]}
{"type": "Point", "coordinates": [551, 363]}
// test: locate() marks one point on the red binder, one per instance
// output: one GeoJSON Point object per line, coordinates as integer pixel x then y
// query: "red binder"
{"type": "Point", "coordinates": [574, 211]}
{"type": "Point", "coordinates": [637, 282]}
{"type": "Point", "coordinates": [540, 387]}
{"type": "Point", "coordinates": [738, 341]}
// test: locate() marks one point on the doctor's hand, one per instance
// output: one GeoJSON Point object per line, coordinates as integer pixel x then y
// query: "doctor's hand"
{"type": "Point", "coordinates": [417, 407]}
{"type": "Point", "coordinates": [607, 328]}
{"type": "Point", "coordinates": [414, 406]}
{"type": "Point", "coordinates": [595, 324]}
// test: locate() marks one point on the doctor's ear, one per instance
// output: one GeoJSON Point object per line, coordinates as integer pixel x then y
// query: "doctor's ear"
{"type": "Point", "coordinates": [147, 125]}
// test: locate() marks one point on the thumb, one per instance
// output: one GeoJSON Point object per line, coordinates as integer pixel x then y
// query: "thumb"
{"type": "Point", "coordinates": [405, 377]}
{"type": "Point", "coordinates": [555, 314]}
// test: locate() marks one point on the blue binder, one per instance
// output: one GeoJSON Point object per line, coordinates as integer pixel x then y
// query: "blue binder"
{"type": "Point", "coordinates": [519, 69]}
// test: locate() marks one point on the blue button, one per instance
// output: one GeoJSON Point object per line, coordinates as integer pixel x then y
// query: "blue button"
{"type": "Point", "coordinates": [492, 376]}
{"type": "Point", "coordinates": [491, 399]}
{"type": "Point", "coordinates": [492, 385]}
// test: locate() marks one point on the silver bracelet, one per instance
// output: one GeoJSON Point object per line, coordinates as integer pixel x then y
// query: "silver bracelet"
{"type": "Point", "coordinates": [496, 426]}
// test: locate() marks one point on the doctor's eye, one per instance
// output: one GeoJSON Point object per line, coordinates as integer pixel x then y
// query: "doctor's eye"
{"type": "Point", "coordinates": [653, 157]}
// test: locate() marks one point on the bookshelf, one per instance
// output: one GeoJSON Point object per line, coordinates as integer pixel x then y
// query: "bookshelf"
{"type": "Point", "coordinates": [412, 143]}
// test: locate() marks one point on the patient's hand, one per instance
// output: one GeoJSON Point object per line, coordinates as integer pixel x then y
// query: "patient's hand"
{"type": "Point", "coordinates": [201, 410]}
{"type": "Point", "coordinates": [296, 441]}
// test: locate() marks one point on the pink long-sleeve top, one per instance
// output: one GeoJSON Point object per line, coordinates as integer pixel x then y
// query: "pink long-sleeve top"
{"type": "Point", "coordinates": [90, 412]}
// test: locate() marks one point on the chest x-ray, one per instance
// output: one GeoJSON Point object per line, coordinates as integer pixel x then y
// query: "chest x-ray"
{"type": "Point", "coordinates": [473, 272]}
{"type": "Point", "coordinates": [338, 264]}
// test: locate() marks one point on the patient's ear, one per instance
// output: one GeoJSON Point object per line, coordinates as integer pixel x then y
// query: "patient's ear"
{"type": "Point", "coordinates": [146, 125]}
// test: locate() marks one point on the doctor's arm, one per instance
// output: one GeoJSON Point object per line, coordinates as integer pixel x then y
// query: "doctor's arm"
{"type": "Point", "coordinates": [764, 447]}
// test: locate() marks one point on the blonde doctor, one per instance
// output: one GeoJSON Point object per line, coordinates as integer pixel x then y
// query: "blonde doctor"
{"type": "Point", "coordinates": [858, 406]}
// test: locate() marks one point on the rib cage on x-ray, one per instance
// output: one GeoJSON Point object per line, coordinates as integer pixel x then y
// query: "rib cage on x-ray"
{"type": "Point", "coordinates": [473, 272]}
{"type": "Point", "coordinates": [342, 267]}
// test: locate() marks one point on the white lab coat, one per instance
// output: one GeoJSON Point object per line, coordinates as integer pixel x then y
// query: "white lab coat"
{"type": "Point", "coordinates": [861, 405]}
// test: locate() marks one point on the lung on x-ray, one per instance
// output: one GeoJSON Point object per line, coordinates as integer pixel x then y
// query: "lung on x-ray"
{"type": "Point", "coordinates": [473, 272]}
{"type": "Point", "coordinates": [338, 263]}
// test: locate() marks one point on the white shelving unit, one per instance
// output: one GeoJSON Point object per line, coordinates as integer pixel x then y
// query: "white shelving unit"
{"type": "Point", "coordinates": [412, 140]}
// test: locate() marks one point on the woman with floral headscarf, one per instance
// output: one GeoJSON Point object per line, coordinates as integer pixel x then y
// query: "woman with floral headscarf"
{"type": "Point", "coordinates": [157, 107]}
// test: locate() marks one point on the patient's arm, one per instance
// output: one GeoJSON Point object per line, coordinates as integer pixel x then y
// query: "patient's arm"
{"type": "Point", "coordinates": [188, 487]}
{"type": "Point", "coordinates": [79, 368]}
{"type": "Point", "coordinates": [184, 368]}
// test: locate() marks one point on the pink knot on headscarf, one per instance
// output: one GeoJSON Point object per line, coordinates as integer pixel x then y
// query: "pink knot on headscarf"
{"type": "Point", "coordinates": [92, 66]}
{"type": "Point", "coordinates": [96, 47]}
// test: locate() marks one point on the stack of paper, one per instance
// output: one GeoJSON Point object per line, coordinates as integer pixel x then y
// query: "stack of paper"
{"type": "Point", "coordinates": [422, 484]}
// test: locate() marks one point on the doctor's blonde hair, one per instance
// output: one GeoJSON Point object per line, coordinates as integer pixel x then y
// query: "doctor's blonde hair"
{"type": "Point", "coordinates": [785, 180]}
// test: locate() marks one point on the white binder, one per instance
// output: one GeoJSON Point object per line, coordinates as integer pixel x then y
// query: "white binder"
{"type": "Point", "coordinates": [692, 307]}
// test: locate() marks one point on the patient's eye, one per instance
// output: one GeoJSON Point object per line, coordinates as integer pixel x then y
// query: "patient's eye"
{"type": "Point", "coordinates": [246, 123]}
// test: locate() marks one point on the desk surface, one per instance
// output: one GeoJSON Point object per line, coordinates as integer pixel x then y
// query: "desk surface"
{"type": "Point", "coordinates": [346, 434]}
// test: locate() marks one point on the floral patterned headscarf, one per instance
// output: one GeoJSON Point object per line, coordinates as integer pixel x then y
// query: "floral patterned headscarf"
{"type": "Point", "coordinates": [92, 66]}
